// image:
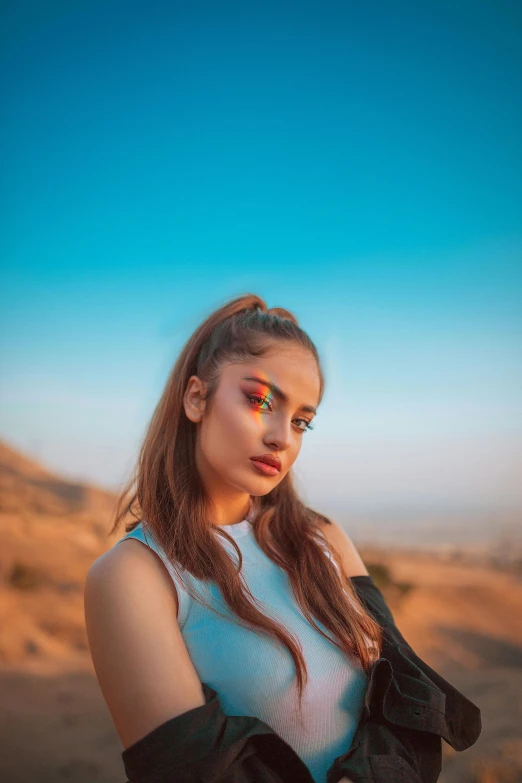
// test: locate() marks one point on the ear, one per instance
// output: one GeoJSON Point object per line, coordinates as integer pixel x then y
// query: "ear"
{"type": "Point", "coordinates": [193, 401]}
{"type": "Point", "coordinates": [337, 538]}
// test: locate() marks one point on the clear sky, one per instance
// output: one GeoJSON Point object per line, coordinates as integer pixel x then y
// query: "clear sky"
{"type": "Point", "coordinates": [357, 163]}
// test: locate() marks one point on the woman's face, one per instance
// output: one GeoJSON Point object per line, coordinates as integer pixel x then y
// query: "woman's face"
{"type": "Point", "coordinates": [247, 419]}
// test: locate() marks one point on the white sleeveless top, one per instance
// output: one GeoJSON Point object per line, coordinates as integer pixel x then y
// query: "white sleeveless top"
{"type": "Point", "coordinates": [253, 674]}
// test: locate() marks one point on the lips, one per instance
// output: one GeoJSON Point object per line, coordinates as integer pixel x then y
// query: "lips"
{"type": "Point", "coordinates": [269, 459]}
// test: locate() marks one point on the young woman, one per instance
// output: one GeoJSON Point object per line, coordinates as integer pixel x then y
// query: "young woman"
{"type": "Point", "coordinates": [226, 579]}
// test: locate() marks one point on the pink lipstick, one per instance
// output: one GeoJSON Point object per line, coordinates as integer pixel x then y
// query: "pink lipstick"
{"type": "Point", "coordinates": [263, 467]}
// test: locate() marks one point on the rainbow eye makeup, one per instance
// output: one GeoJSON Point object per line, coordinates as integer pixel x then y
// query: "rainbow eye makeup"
{"type": "Point", "coordinates": [274, 391]}
{"type": "Point", "coordinates": [259, 400]}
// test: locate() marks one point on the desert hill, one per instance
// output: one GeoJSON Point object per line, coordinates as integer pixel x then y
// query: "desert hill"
{"type": "Point", "coordinates": [27, 488]}
{"type": "Point", "coordinates": [51, 531]}
{"type": "Point", "coordinates": [463, 618]}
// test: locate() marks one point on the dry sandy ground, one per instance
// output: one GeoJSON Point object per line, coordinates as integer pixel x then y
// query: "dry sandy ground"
{"type": "Point", "coordinates": [464, 620]}
{"type": "Point", "coordinates": [466, 623]}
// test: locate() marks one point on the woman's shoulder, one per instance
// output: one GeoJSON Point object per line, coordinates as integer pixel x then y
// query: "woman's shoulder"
{"type": "Point", "coordinates": [131, 558]}
{"type": "Point", "coordinates": [337, 537]}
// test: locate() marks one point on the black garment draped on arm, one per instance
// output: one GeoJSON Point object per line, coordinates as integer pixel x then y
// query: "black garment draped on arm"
{"type": "Point", "coordinates": [409, 708]}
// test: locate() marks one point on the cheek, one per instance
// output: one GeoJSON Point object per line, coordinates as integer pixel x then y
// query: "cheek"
{"type": "Point", "coordinates": [234, 417]}
{"type": "Point", "coordinates": [293, 456]}
{"type": "Point", "coordinates": [230, 425]}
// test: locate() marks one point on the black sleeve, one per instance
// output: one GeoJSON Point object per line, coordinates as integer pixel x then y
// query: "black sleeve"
{"type": "Point", "coordinates": [409, 708]}
{"type": "Point", "coordinates": [382, 753]}
{"type": "Point", "coordinates": [204, 745]}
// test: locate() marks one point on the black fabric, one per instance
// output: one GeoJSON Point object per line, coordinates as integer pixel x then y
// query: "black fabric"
{"type": "Point", "coordinates": [409, 708]}
{"type": "Point", "coordinates": [208, 745]}
{"type": "Point", "coordinates": [409, 692]}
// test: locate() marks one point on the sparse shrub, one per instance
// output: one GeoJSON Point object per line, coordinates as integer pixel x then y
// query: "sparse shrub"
{"type": "Point", "coordinates": [517, 565]}
{"type": "Point", "coordinates": [25, 577]}
{"type": "Point", "coordinates": [382, 577]}
{"type": "Point", "coordinates": [67, 587]}
{"type": "Point", "coordinates": [404, 587]}
{"type": "Point", "coordinates": [380, 574]}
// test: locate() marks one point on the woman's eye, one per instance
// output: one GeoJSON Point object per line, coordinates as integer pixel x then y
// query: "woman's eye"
{"type": "Point", "coordinates": [258, 400]}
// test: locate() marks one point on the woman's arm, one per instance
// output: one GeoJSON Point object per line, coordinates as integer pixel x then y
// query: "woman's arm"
{"type": "Point", "coordinates": [142, 664]}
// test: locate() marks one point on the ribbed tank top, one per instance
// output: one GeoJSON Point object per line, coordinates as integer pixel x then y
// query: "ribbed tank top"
{"type": "Point", "coordinates": [252, 673]}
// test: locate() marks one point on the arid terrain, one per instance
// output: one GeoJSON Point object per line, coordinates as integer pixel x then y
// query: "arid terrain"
{"type": "Point", "coordinates": [461, 614]}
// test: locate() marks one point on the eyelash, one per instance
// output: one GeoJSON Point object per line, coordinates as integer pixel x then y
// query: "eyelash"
{"type": "Point", "coordinates": [251, 397]}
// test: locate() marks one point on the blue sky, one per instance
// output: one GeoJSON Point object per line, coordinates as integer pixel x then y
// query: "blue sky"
{"type": "Point", "coordinates": [359, 164]}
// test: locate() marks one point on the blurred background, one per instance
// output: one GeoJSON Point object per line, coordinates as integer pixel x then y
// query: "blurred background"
{"type": "Point", "coordinates": [358, 164]}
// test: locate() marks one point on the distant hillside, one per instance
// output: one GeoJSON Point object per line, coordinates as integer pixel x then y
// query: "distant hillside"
{"type": "Point", "coordinates": [27, 487]}
{"type": "Point", "coordinates": [52, 530]}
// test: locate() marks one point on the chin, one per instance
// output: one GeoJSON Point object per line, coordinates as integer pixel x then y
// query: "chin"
{"type": "Point", "coordinates": [262, 486]}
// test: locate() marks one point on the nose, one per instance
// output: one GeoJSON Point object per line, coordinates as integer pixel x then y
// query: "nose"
{"type": "Point", "coordinates": [278, 434]}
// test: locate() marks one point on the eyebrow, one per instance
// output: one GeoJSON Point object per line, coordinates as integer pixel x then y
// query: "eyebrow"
{"type": "Point", "coordinates": [277, 392]}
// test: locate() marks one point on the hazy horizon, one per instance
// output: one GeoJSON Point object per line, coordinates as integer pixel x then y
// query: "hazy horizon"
{"type": "Point", "coordinates": [361, 169]}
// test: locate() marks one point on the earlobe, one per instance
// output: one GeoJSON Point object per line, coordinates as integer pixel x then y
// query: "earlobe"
{"type": "Point", "coordinates": [194, 411]}
{"type": "Point", "coordinates": [193, 415]}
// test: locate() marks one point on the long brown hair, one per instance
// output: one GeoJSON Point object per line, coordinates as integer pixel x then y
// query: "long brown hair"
{"type": "Point", "coordinates": [168, 496]}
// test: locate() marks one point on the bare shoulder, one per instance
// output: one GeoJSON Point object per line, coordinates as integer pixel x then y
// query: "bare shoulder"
{"type": "Point", "coordinates": [133, 554]}
{"type": "Point", "coordinates": [338, 539]}
{"type": "Point", "coordinates": [139, 655]}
